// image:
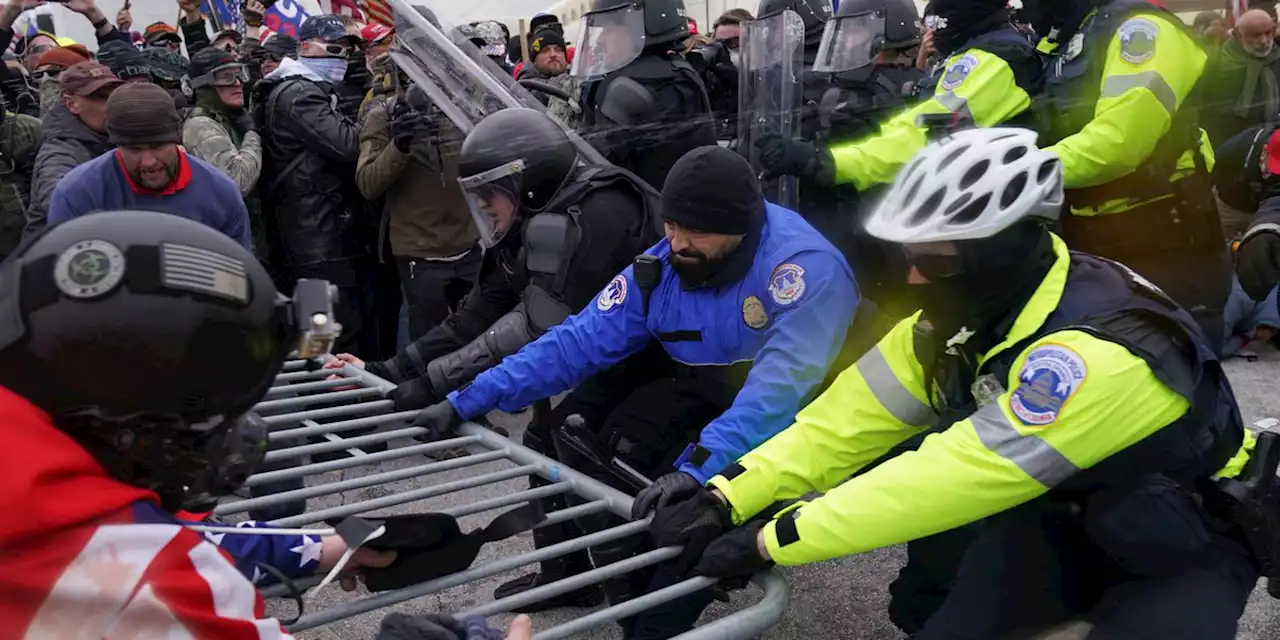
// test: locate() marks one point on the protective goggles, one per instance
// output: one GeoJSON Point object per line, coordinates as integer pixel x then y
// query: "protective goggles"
{"type": "Point", "coordinates": [224, 76]}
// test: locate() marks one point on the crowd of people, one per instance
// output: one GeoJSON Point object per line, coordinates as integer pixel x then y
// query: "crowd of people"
{"type": "Point", "coordinates": [969, 273]}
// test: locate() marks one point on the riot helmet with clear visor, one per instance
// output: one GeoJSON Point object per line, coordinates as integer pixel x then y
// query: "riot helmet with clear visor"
{"type": "Point", "coordinates": [494, 200]}
{"type": "Point", "coordinates": [609, 40]}
{"type": "Point", "coordinates": [862, 29]}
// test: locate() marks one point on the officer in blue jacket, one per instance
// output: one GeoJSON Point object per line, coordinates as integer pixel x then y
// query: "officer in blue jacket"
{"type": "Point", "coordinates": [744, 293]}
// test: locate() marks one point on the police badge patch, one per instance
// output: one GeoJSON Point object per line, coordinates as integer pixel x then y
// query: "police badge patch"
{"type": "Point", "coordinates": [787, 284]}
{"type": "Point", "coordinates": [753, 313]}
{"type": "Point", "coordinates": [1050, 376]}
{"type": "Point", "coordinates": [613, 295]}
{"type": "Point", "coordinates": [89, 269]}
{"type": "Point", "coordinates": [958, 71]}
{"type": "Point", "coordinates": [1138, 40]}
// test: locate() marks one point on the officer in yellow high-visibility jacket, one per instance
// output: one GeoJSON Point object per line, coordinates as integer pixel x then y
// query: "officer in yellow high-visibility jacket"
{"type": "Point", "coordinates": [988, 77]}
{"type": "Point", "coordinates": [1074, 407]}
{"type": "Point", "coordinates": [1120, 110]}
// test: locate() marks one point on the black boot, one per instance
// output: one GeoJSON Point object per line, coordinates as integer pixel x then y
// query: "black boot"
{"type": "Point", "coordinates": [554, 569]}
{"type": "Point", "coordinates": [620, 589]}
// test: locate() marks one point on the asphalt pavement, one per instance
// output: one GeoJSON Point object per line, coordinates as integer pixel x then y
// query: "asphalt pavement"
{"type": "Point", "coordinates": [838, 600]}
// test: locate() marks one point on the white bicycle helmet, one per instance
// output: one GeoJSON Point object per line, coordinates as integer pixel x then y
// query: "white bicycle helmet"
{"type": "Point", "coordinates": [972, 184]}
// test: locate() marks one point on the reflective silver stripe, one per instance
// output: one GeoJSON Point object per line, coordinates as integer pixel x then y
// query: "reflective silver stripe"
{"type": "Point", "coordinates": [954, 103]}
{"type": "Point", "coordinates": [893, 396]}
{"type": "Point", "coordinates": [1034, 456]}
{"type": "Point", "coordinates": [1152, 81]}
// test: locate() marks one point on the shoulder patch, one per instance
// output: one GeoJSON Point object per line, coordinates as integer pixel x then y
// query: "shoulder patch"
{"type": "Point", "coordinates": [786, 285]}
{"type": "Point", "coordinates": [753, 313]}
{"type": "Point", "coordinates": [957, 72]}
{"type": "Point", "coordinates": [1050, 376]}
{"type": "Point", "coordinates": [1138, 40]}
{"type": "Point", "coordinates": [614, 294]}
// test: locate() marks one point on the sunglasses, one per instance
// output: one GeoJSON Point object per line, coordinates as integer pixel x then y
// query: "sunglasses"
{"type": "Point", "coordinates": [41, 74]}
{"type": "Point", "coordinates": [936, 267]}
{"type": "Point", "coordinates": [337, 50]}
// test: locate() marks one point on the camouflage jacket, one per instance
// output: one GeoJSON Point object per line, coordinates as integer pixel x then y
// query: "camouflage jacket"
{"type": "Point", "coordinates": [20, 137]}
{"type": "Point", "coordinates": [207, 139]}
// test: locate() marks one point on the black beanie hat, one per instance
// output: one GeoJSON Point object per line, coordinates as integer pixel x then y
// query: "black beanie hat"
{"type": "Point", "coordinates": [713, 190]}
{"type": "Point", "coordinates": [543, 39]}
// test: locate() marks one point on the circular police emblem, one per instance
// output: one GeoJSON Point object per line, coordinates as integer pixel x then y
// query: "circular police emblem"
{"type": "Point", "coordinates": [1050, 376]}
{"type": "Point", "coordinates": [613, 295]}
{"type": "Point", "coordinates": [753, 313]}
{"type": "Point", "coordinates": [1138, 40]}
{"type": "Point", "coordinates": [89, 269]}
{"type": "Point", "coordinates": [957, 71]}
{"type": "Point", "coordinates": [787, 284]}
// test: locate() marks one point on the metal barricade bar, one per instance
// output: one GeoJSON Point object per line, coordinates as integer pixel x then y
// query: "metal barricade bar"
{"type": "Point", "coordinates": [298, 390]}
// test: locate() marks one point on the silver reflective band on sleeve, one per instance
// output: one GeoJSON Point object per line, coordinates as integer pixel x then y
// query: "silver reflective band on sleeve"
{"type": "Point", "coordinates": [954, 104]}
{"type": "Point", "coordinates": [1152, 81]}
{"type": "Point", "coordinates": [891, 393]}
{"type": "Point", "coordinates": [1034, 456]}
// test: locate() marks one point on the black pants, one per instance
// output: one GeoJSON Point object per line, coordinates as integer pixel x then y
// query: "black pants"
{"type": "Point", "coordinates": [380, 282]}
{"type": "Point", "coordinates": [1035, 567]}
{"type": "Point", "coordinates": [433, 289]}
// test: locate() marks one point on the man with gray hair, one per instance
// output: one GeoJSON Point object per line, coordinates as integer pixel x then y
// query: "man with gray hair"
{"type": "Point", "coordinates": [1244, 89]}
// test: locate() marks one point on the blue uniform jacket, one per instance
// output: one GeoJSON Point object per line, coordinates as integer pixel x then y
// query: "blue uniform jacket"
{"type": "Point", "coordinates": [788, 318]}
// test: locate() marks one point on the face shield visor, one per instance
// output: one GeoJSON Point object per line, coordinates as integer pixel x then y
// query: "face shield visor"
{"type": "Point", "coordinates": [608, 40]}
{"type": "Point", "coordinates": [494, 200]}
{"type": "Point", "coordinates": [231, 451]}
{"type": "Point", "coordinates": [773, 42]}
{"type": "Point", "coordinates": [850, 43]}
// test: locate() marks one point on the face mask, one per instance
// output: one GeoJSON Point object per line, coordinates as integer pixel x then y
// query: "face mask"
{"type": "Point", "coordinates": [331, 69]}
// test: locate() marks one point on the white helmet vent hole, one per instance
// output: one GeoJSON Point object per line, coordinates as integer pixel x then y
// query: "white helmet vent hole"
{"type": "Point", "coordinates": [1013, 190]}
{"type": "Point", "coordinates": [974, 174]}
{"type": "Point", "coordinates": [915, 189]}
{"type": "Point", "coordinates": [971, 212]}
{"type": "Point", "coordinates": [959, 202]}
{"type": "Point", "coordinates": [1014, 154]}
{"type": "Point", "coordinates": [951, 157]}
{"type": "Point", "coordinates": [926, 210]}
{"type": "Point", "coordinates": [1047, 170]}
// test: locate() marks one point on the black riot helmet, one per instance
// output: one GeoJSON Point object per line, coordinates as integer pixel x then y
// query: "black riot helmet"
{"type": "Point", "coordinates": [147, 338]}
{"type": "Point", "coordinates": [861, 29]}
{"type": "Point", "coordinates": [615, 32]}
{"type": "Point", "coordinates": [815, 14]}
{"type": "Point", "coordinates": [513, 161]}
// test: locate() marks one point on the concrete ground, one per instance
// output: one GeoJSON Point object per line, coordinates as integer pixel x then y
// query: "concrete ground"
{"type": "Point", "coordinates": [837, 600]}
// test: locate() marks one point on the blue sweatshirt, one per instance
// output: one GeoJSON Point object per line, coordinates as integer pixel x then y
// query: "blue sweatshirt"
{"type": "Point", "coordinates": [200, 193]}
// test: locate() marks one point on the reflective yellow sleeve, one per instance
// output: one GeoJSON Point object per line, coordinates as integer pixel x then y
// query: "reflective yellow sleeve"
{"type": "Point", "coordinates": [1139, 97]}
{"type": "Point", "coordinates": [986, 92]}
{"type": "Point", "coordinates": [993, 460]}
{"type": "Point", "coordinates": [872, 406]}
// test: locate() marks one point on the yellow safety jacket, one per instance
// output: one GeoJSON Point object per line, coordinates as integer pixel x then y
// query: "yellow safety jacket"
{"type": "Point", "coordinates": [1071, 407]}
{"type": "Point", "coordinates": [978, 85]}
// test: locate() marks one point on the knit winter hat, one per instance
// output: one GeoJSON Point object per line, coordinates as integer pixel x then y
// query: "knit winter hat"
{"type": "Point", "coordinates": [141, 114]}
{"type": "Point", "coordinates": [713, 190]}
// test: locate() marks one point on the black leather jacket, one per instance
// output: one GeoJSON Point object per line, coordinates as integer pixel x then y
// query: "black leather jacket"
{"type": "Point", "coordinates": [308, 186]}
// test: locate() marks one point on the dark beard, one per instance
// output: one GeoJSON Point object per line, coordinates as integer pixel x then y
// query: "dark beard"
{"type": "Point", "coordinates": [695, 274]}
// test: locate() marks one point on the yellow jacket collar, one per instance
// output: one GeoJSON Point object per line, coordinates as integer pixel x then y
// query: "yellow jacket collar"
{"type": "Point", "coordinates": [1042, 302]}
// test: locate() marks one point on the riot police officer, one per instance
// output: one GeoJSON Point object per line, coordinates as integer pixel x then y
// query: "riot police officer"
{"type": "Point", "coordinates": [733, 319]}
{"type": "Point", "coordinates": [1120, 109]}
{"type": "Point", "coordinates": [555, 231]}
{"type": "Point", "coordinates": [643, 105]}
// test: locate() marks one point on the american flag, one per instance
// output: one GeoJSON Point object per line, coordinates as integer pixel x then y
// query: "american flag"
{"type": "Point", "coordinates": [379, 11]}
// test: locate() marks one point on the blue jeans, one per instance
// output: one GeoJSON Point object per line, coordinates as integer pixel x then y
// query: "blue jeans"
{"type": "Point", "coordinates": [1243, 316]}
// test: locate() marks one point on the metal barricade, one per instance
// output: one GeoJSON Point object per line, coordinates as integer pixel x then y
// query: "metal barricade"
{"type": "Point", "coordinates": [355, 402]}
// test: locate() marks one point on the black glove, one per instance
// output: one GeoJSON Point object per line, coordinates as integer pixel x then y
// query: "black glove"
{"type": "Point", "coordinates": [441, 420]}
{"type": "Point", "coordinates": [245, 121]}
{"type": "Point", "coordinates": [734, 557]}
{"type": "Point", "coordinates": [404, 126]}
{"type": "Point", "coordinates": [1258, 264]}
{"type": "Point", "coordinates": [414, 394]}
{"type": "Point", "coordinates": [670, 488]}
{"type": "Point", "coordinates": [402, 626]}
{"type": "Point", "coordinates": [785, 157]}
{"type": "Point", "coordinates": [259, 112]}
{"type": "Point", "coordinates": [694, 523]}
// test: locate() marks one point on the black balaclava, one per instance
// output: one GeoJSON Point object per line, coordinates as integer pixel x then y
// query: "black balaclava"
{"type": "Point", "coordinates": [966, 19]}
{"type": "Point", "coordinates": [997, 277]}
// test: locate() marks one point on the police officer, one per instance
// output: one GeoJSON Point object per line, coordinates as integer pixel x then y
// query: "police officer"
{"type": "Point", "coordinates": [1076, 409]}
{"type": "Point", "coordinates": [643, 105]}
{"type": "Point", "coordinates": [989, 75]}
{"type": "Point", "coordinates": [554, 233]}
{"type": "Point", "coordinates": [862, 75]}
{"type": "Point", "coordinates": [749, 305]}
{"type": "Point", "coordinates": [1119, 110]}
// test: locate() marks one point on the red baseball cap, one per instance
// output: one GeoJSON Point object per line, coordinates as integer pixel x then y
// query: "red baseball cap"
{"type": "Point", "coordinates": [375, 32]}
{"type": "Point", "coordinates": [1271, 157]}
